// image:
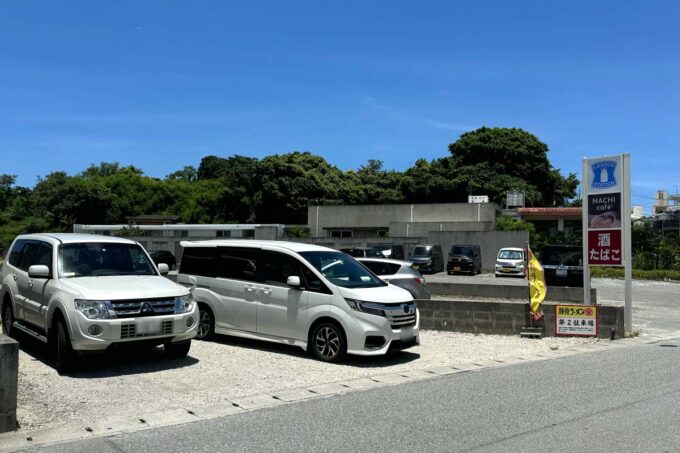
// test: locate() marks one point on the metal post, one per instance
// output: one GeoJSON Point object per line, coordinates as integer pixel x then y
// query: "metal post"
{"type": "Point", "coordinates": [627, 246]}
{"type": "Point", "coordinates": [584, 225]}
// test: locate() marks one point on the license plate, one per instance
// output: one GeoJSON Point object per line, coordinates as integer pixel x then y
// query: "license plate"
{"type": "Point", "coordinates": [406, 333]}
{"type": "Point", "coordinates": [507, 269]}
{"type": "Point", "coordinates": [561, 272]}
{"type": "Point", "coordinates": [415, 266]}
{"type": "Point", "coordinates": [148, 327]}
{"type": "Point", "coordinates": [456, 269]}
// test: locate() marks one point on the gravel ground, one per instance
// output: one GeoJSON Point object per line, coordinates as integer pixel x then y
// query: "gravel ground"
{"type": "Point", "coordinates": [134, 382]}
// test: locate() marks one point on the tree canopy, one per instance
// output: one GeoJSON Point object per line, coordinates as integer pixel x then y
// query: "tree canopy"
{"type": "Point", "coordinates": [279, 188]}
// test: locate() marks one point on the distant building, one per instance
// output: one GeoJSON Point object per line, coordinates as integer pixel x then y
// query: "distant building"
{"type": "Point", "coordinates": [551, 221]}
{"type": "Point", "coordinates": [159, 236]}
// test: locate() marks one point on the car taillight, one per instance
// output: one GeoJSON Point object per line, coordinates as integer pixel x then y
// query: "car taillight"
{"type": "Point", "coordinates": [420, 280]}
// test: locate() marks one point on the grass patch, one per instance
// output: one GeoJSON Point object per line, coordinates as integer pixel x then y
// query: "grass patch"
{"type": "Point", "coordinates": [638, 274]}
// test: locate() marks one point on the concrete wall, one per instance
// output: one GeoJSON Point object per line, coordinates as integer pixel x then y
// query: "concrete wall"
{"type": "Point", "coordinates": [9, 375]}
{"type": "Point", "coordinates": [320, 218]}
{"type": "Point", "coordinates": [490, 242]}
{"type": "Point", "coordinates": [504, 318]}
{"type": "Point", "coordinates": [408, 229]}
{"type": "Point", "coordinates": [555, 293]}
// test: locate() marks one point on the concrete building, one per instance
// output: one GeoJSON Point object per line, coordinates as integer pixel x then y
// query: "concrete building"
{"type": "Point", "coordinates": [399, 220]}
{"type": "Point", "coordinates": [158, 236]}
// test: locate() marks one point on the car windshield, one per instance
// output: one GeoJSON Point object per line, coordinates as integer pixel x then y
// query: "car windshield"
{"type": "Point", "coordinates": [342, 270]}
{"type": "Point", "coordinates": [462, 250]}
{"type": "Point", "coordinates": [421, 251]}
{"type": "Point", "coordinates": [511, 255]}
{"type": "Point", "coordinates": [92, 259]}
{"type": "Point", "coordinates": [567, 256]}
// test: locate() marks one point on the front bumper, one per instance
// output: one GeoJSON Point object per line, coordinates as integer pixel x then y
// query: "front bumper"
{"type": "Point", "coordinates": [459, 267]}
{"type": "Point", "coordinates": [172, 328]}
{"type": "Point", "coordinates": [510, 270]}
{"type": "Point", "coordinates": [372, 335]}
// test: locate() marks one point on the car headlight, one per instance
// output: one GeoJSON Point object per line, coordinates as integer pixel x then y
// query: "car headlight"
{"type": "Point", "coordinates": [92, 309]}
{"type": "Point", "coordinates": [184, 304]}
{"type": "Point", "coordinates": [358, 306]}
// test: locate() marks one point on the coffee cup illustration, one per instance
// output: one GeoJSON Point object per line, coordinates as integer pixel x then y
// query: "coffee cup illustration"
{"type": "Point", "coordinates": [605, 220]}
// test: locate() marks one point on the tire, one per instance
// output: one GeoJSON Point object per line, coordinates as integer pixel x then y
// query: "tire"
{"type": "Point", "coordinates": [8, 320]}
{"type": "Point", "coordinates": [177, 350]}
{"type": "Point", "coordinates": [327, 342]}
{"type": "Point", "coordinates": [63, 355]}
{"type": "Point", "coordinates": [206, 323]}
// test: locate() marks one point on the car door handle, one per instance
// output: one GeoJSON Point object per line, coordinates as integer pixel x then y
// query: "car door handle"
{"type": "Point", "coordinates": [250, 289]}
{"type": "Point", "coordinates": [15, 277]}
{"type": "Point", "coordinates": [266, 291]}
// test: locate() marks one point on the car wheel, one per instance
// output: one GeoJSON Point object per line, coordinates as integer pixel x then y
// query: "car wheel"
{"type": "Point", "coordinates": [7, 320]}
{"type": "Point", "coordinates": [206, 323]}
{"type": "Point", "coordinates": [177, 350]}
{"type": "Point", "coordinates": [328, 342]}
{"type": "Point", "coordinates": [62, 350]}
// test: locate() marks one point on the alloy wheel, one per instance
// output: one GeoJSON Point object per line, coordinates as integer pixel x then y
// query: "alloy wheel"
{"type": "Point", "coordinates": [204, 324]}
{"type": "Point", "coordinates": [327, 342]}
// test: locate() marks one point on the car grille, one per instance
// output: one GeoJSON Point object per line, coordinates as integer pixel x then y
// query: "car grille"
{"type": "Point", "coordinates": [143, 307]}
{"type": "Point", "coordinates": [398, 317]}
{"type": "Point", "coordinates": [130, 330]}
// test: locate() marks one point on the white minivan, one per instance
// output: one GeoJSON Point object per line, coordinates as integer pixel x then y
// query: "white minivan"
{"type": "Point", "coordinates": [317, 298]}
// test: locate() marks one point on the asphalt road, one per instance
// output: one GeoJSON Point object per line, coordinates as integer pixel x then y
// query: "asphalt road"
{"type": "Point", "coordinates": [622, 399]}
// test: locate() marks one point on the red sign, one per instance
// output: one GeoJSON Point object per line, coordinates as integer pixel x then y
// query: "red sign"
{"type": "Point", "coordinates": [604, 248]}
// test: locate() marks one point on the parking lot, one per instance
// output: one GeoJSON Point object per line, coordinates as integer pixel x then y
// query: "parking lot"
{"type": "Point", "coordinates": [131, 383]}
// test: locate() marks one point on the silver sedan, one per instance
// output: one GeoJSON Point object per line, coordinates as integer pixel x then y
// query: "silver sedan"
{"type": "Point", "coordinates": [398, 273]}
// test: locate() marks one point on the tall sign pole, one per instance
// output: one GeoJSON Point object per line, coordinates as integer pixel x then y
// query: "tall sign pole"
{"type": "Point", "coordinates": [606, 222]}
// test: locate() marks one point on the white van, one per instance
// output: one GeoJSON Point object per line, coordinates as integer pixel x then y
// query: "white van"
{"type": "Point", "coordinates": [317, 298]}
{"type": "Point", "coordinates": [511, 261]}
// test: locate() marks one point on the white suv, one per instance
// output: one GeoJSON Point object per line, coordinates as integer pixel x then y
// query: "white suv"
{"type": "Point", "coordinates": [83, 293]}
{"type": "Point", "coordinates": [313, 297]}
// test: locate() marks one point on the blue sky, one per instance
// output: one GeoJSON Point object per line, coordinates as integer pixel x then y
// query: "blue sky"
{"type": "Point", "coordinates": [161, 84]}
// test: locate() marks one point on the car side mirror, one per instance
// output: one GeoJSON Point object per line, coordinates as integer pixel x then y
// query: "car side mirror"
{"type": "Point", "coordinates": [163, 269]}
{"type": "Point", "coordinates": [294, 281]}
{"type": "Point", "coordinates": [39, 271]}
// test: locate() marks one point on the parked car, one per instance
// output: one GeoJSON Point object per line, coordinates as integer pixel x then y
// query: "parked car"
{"type": "Point", "coordinates": [427, 258]}
{"type": "Point", "coordinates": [319, 299]}
{"type": "Point", "coordinates": [398, 273]}
{"type": "Point", "coordinates": [163, 256]}
{"type": "Point", "coordinates": [562, 265]}
{"type": "Point", "coordinates": [84, 293]}
{"type": "Point", "coordinates": [358, 252]}
{"type": "Point", "coordinates": [391, 251]}
{"type": "Point", "coordinates": [464, 258]}
{"type": "Point", "coordinates": [511, 261]}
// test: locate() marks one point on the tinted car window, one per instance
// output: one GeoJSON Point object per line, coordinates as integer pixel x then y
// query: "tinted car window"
{"type": "Point", "coordinates": [462, 250]}
{"type": "Point", "coordinates": [103, 259]}
{"type": "Point", "coordinates": [342, 270]}
{"type": "Point", "coordinates": [29, 255]}
{"type": "Point", "coordinates": [44, 256]}
{"type": "Point", "coordinates": [198, 261]}
{"type": "Point", "coordinates": [312, 282]}
{"type": "Point", "coordinates": [17, 250]}
{"type": "Point", "coordinates": [422, 251]}
{"type": "Point", "coordinates": [567, 256]}
{"type": "Point", "coordinates": [278, 267]}
{"type": "Point", "coordinates": [238, 263]}
{"type": "Point", "coordinates": [380, 268]}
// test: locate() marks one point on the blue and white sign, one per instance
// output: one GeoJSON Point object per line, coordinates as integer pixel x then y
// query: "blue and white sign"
{"type": "Point", "coordinates": [605, 174]}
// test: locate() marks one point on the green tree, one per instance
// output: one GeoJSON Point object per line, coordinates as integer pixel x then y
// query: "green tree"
{"type": "Point", "coordinates": [491, 161]}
